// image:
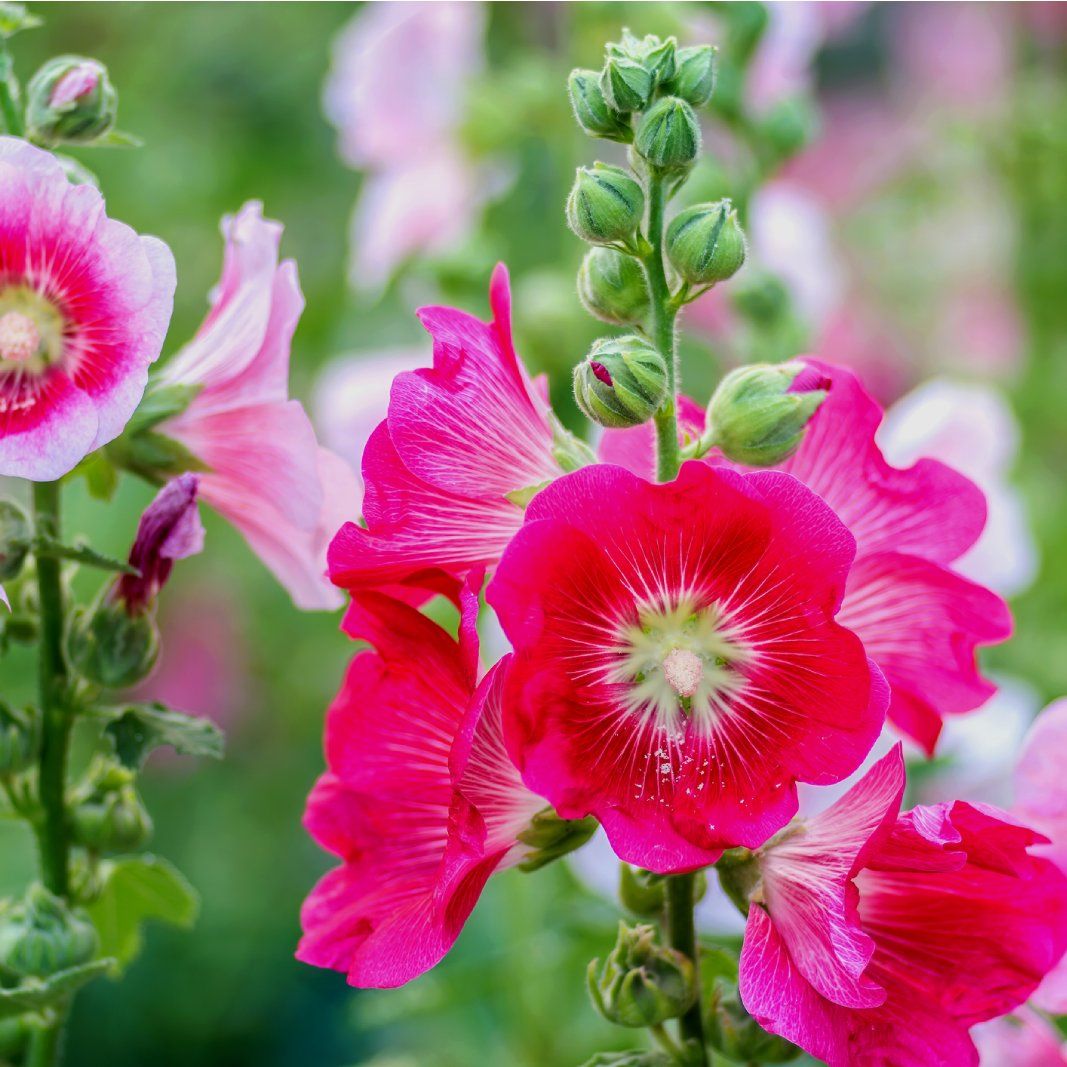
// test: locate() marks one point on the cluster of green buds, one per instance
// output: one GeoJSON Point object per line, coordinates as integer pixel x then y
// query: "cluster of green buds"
{"type": "Point", "coordinates": [41, 934]}
{"type": "Point", "coordinates": [108, 814]}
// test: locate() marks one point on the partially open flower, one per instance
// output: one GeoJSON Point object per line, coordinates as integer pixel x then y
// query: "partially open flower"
{"type": "Point", "coordinates": [70, 98]}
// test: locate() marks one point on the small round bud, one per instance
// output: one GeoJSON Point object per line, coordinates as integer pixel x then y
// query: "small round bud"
{"type": "Point", "coordinates": [669, 134]}
{"type": "Point", "coordinates": [14, 539]}
{"type": "Point", "coordinates": [40, 935]}
{"type": "Point", "coordinates": [111, 647]}
{"type": "Point", "coordinates": [70, 99]}
{"type": "Point", "coordinates": [641, 983]}
{"type": "Point", "coordinates": [606, 204]}
{"type": "Point", "coordinates": [612, 287]}
{"type": "Point", "coordinates": [622, 383]}
{"type": "Point", "coordinates": [113, 820]}
{"type": "Point", "coordinates": [732, 1031]}
{"type": "Point", "coordinates": [641, 892]}
{"type": "Point", "coordinates": [694, 75]}
{"type": "Point", "coordinates": [706, 244]}
{"type": "Point", "coordinates": [592, 110]}
{"type": "Point", "coordinates": [18, 739]}
{"type": "Point", "coordinates": [758, 413]}
{"type": "Point", "coordinates": [626, 84]}
{"type": "Point", "coordinates": [656, 55]}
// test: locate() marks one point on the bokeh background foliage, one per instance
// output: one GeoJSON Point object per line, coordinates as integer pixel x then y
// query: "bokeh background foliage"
{"type": "Point", "coordinates": [227, 99]}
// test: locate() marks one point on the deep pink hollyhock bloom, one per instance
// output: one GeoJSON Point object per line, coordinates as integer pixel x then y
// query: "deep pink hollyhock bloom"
{"type": "Point", "coordinates": [169, 530]}
{"type": "Point", "coordinates": [84, 306]}
{"type": "Point", "coordinates": [420, 800]}
{"type": "Point", "coordinates": [876, 938]}
{"type": "Point", "coordinates": [266, 472]}
{"type": "Point", "coordinates": [460, 439]}
{"type": "Point", "coordinates": [678, 667]}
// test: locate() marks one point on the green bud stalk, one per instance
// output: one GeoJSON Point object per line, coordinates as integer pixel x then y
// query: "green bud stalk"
{"type": "Point", "coordinates": [606, 204]}
{"type": "Point", "coordinates": [705, 243]}
{"type": "Point", "coordinates": [622, 383]}
{"type": "Point", "coordinates": [612, 287]}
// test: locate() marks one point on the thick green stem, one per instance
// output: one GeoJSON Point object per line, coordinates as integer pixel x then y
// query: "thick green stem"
{"type": "Point", "coordinates": [663, 312]}
{"type": "Point", "coordinates": [45, 1046]}
{"type": "Point", "coordinates": [681, 932]}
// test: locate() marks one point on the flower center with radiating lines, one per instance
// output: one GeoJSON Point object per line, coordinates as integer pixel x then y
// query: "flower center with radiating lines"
{"type": "Point", "coordinates": [31, 330]}
{"type": "Point", "coordinates": [679, 660]}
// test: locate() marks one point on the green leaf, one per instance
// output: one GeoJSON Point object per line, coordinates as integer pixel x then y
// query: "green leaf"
{"type": "Point", "coordinates": [47, 548]}
{"type": "Point", "coordinates": [161, 402]}
{"type": "Point", "coordinates": [37, 994]}
{"type": "Point", "coordinates": [101, 475]}
{"type": "Point", "coordinates": [14, 18]}
{"type": "Point", "coordinates": [137, 729]}
{"type": "Point", "coordinates": [136, 889]}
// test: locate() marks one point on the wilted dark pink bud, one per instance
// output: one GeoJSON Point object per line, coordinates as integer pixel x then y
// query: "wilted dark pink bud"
{"type": "Point", "coordinates": [170, 529]}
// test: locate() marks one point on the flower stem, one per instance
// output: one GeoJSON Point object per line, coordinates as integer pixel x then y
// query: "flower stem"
{"type": "Point", "coordinates": [10, 115]}
{"type": "Point", "coordinates": [668, 459]}
{"type": "Point", "coordinates": [51, 826]}
{"type": "Point", "coordinates": [681, 932]}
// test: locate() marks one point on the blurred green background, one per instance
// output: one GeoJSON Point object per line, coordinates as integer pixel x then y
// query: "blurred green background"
{"type": "Point", "coordinates": [227, 100]}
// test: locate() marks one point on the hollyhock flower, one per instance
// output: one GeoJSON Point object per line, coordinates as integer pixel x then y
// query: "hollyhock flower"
{"type": "Point", "coordinates": [1023, 1039]}
{"type": "Point", "coordinates": [678, 666]}
{"type": "Point", "coordinates": [919, 620]}
{"type": "Point", "coordinates": [462, 439]}
{"type": "Point", "coordinates": [880, 938]}
{"type": "Point", "coordinates": [420, 800]}
{"type": "Point", "coordinates": [264, 470]}
{"type": "Point", "coordinates": [84, 306]}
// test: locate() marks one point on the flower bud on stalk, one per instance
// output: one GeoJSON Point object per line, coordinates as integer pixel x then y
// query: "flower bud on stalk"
{"type": "Point", "coordinates": [612, 287]}
{"type": "Point", "coordinates": [14, 539]}
{"type": "Point", "coordinates": [626, 84]}
{"type": "Point", "coordinates": [656, 55]}
{"type": "Point", "coordinates": [732, 1031]}
{"type": "Point", "coordinates": [111, 817]}
{"type": "Point", "coordinates": [669, 135]}
{"type": "Point", "coordinates": [706, 244]}
{"type": "Point", "coordinates": [606, 204]}
{"type": "Point", "coordinates": [622, 383]}
{"type": "Point", "coordinates": [759, 413]}
{"type": "Point", "coordinates": [694, 75]}
{"type": "Point", "coordinates": [70, 99]}
{"type": "Point", "coordinates": [40, 935]}
{"type": "Point", "coordinates": [18, 739]}
{"type": "Point", "coordinates": [641, 983]}
{"type": "Point", "coordinates": [594, 114]}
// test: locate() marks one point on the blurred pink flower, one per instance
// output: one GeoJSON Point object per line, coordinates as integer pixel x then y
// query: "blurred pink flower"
{"type": "Point", "coordinates": [265, 471]}
{"type": "Point", "coordinates": [1023, 1039]}
{"type": "Point", "coordinates": [396, 92]}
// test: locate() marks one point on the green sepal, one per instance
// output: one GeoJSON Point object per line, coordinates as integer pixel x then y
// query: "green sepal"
{"type": "Point", "coordinates": [135, 730]}
{"type": "Point", "coordinates": [36, 995]}
{"type": "Point", "coordinates": [161, 402]}
{"type": "Point", "coordinates": [631, 1058]}
{"type": "Point", "coordinates": [153, 456]}
{"type": "Point", "coordinates": [521, 497]}
{"type": "Point", "coordinates": [100, 474]}
{"type": "Point", "coordinates": [549, 837]}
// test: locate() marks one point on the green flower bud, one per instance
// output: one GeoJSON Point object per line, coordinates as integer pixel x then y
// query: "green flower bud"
{"type": "Point", "coordinates": [18, 739]}
{"type": "Point", "coordinates": [641, 983]}
{"type": "Point", "coordinates": [641, 892]}
{"type": "Point", "coordinates": [15, 536]}
{"type": "Point", "coordinates": [41, 935]}
{"type": "Point", "coordinates": [612, 287]}
{"type": "Point", "coordinates": [70, 99]}
{"type": "Point", "coordinates": [548, 837]}
{"type": "Point", "coordinates": [111, 647]}
{"type": "Point", "coordinates": [592, 110]}
{"type": "Point", "coordinates": [626, 84]}
{"type": "Point", "coordinates": [694, 74]}
{"type": "Point", "coordinates": [606, 204]}
{"type": "Point", "coordinates": [669, 135]}
{"type": "Point", "coordinates": [622, 383]}
{"type": "Point", "coordinates": [109, 816]}
{"type": "Point", "coordinates": [730, 1029]}
{"type": "Point", "coordinates": [706, 244]}
{"type": "Point", "coordinates": [758, 414]}
{"type": "Point", "coordinates": [654, 54]}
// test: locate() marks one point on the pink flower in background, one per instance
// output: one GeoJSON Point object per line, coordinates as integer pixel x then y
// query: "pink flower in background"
{"type": "Point", "coordinates": [460, 439]}
{"type": "Point", "coordinates": [169, 530]}
{"type": "Point", "coordinates": [396, 93]}
{"type": "Point", "coordinates": [678, 667]}
{"type": "Point", "coordinates": [1023, 1039]}
{"type": "Point", "coordinates": [84, 307]}
{"type": "Point", "coordinates": [876, 937]}
{"type": "Point", "coordinates": [265, 472]}
{"type": "Point", "coordinates": [419, 801]}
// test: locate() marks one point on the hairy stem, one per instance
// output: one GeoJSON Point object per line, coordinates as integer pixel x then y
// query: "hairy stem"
{"type": "Point", "coordinates": [681, 932]}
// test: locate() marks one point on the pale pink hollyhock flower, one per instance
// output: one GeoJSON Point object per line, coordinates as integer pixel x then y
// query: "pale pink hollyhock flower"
{"type": "Point", "coordinates": [459, 440]}
{"type": "Point", "coordinates": [880, 937]}
{"type": "Point", "coordinates": [265, 471]}
{"type": "Point", "coordinates": [1023, 1039]}
{"type": "Point", "coordinates": [351, 397]}
{"type": "Point", "coordinates": [84, 307]}
{"type": "Point", "coordinates": [419, 801]}
{"type": "Point", "coordinates": [971, 427]}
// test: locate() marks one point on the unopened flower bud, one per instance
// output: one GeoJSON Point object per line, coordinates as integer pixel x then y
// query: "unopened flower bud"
{"type": "Point", "coordinates": [626, 84]}
{"type": "Point", "coordinates": [730, 1029]}
{"type": "Point", "coordinates": [705, 243]}
{"type": "Point", "coordinates": [759, 413]}
{"type": "Point", "coordinates": [14, 539]}
{"type": "Point", "coordinates": [548, 837]}
{"type": "Point", "coordinates": [594, 114]}
{"type": "Point", "coordinates": [109, 816]}
{"type": "Point", "coordinates": [70, 99]}
{"type": "Point", "coordinates": [656, 55]}
{"type": "Point", "coordinates": [606, 204]}
{"type": "Point", "coordinates": [18, 739]}
{"type": "Point", "coordinates": [641, 983]}
{"type": "Point", "coordinates": [112, 648]}
{"type": "Point", "coordinates": [641, 892]}
{"type": "Point", "coordinates": [612, 287]}
{"type": "Point", "coordinates": [41, 935]}
{"type": "Point", "coordinates": [694, 74]}
{"type": "Point", "coordinates": [669, 135]}
{"type": "Point", "coordinates": [622, 383]}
